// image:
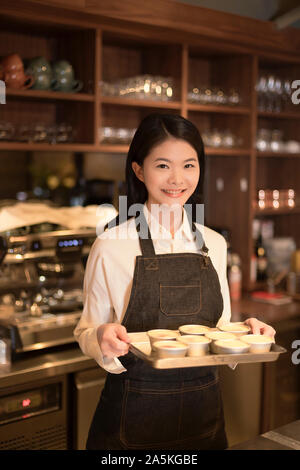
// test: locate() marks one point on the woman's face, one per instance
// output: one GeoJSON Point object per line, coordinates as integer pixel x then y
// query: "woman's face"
{"type": "Point", "coordinates": [170, 172]}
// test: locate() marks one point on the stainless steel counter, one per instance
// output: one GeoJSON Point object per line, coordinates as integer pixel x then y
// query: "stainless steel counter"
{"type": "Point", "coordinates": [284, 438]}
{"type": "Point", "coordinates": [46, 365]}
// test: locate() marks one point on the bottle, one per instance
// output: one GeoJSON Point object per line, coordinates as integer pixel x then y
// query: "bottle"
{"type": "Point", "coordinates": [260, 252]}
{"type": "Point", "coordinates": [235, 277]}
{"type": "Point", "coordinates": [253, 267]}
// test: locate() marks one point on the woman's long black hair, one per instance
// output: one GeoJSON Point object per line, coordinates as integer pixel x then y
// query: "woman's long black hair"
{"type": "Point", "coordinates": [153, 130]}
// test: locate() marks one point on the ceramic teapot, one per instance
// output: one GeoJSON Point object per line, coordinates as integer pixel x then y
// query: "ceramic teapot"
{"type": "Point", "coordinates": [63, 78]}
{"type": "Point", "coordinates": [41, 70]}
{"type": "Point", "coordinates": [12, 72]}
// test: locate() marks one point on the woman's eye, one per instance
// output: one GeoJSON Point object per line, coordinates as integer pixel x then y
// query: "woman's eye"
{"type": "Point", "coordinates": [162, 165]}
{"type": "Point", "coordinates": [189, 165]}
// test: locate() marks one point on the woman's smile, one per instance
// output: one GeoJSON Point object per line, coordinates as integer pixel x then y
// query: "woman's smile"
{"type": "Point", "coordinates": [174, 193]}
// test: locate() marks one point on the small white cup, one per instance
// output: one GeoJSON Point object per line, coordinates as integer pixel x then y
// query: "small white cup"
{"type": "Point", "coordinates": [258, 343]}
{"type": "Point", "coordinates": [237, 328]}
{"type": "Point", "coordinates": [193, 329]}
{"type": "Point", "coordinates": [161, 335]}
{"type": "Point", "coordinates": [170, 349]}
{"type": "Point", "coordinates": [198, 345]}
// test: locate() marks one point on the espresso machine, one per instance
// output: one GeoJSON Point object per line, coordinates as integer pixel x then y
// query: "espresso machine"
{"type": "Point", "coordinates": [41, 280]}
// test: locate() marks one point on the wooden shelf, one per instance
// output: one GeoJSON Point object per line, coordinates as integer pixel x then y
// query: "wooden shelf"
{"type": "Point", "coordinates": [279, 115]}
{"type": "Point", "coordinates": [280, 211]}
{"type": "Point", "coordinates": [49, 95]}
{"type": "Point", "coordinates": [140, 103]}
{"type": "Point", "coordinates": [277, 154]}
{"type": "Point", "coordinates": [228, 151]}
{"type": "Point", "coordinates": [113, 148]}
{"type": "Point", "coordinates": [32, 147]}
{"type": "Point", "coordinates": [218, 109]}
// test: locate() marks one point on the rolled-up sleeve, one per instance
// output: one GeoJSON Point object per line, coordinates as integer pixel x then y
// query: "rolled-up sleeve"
{"type": "Point", "coordinates": [98, 310]}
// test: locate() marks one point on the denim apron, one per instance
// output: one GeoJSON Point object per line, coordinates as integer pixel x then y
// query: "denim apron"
{"type": "Point", "coordinates": [147, 408]}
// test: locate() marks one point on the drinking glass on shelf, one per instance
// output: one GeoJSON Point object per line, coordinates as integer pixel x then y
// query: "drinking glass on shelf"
{"type": "Point", "coordinates": [167, 84]}
{"type": "Point", "coordinates": [39, 133]}
{"type": "Point", "coordinates": [287, 92]}
{"type": "Point", "coordinates": [218, 96]}
{"type": "Point", "coordinates": [64, 133]}
{"type": "Point", "coordinates": [278, 94]}
{"type": "Point", "coordinates": [261, 88]}
{"type": "Point", "coordinates": [261, 199]}
{"type": "Point", "coordinates": [107, 135]}
{"type": "Point", "coordinates": [228, 139]}
{"type": "Point", "coordinates": [270, 93]}
{"type": "Point", "coordinates": [24, 133]}
{"type": "Point", "coordinates": [215, 138]}
{"type": "Point", "coordinates": [276, 143]}
{"type": "Point", "coordinates": [7, 131]}
{"type": "Point", "coordinates": [122, 135]}
{"type": "Point", "coordinates": [234, 97]}
{"type": "Point", "coordinates": [263, 140]}
{"type": "Point", "coordinates": [287, 197]}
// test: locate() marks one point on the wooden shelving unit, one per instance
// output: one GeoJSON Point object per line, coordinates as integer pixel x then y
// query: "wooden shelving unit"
{"type": "Point", "coordinates": [49, 95]}
{"type": "Point", "coordinates": [101, 48]}
{"type": "Point", "coordinates": [141, 103]}
{"type": "Point", "coordinates": [279, 211]}
{"type": "Point", "coordinates": [279, 115]}
{"type": "Point", "coordinates": [219, 109]}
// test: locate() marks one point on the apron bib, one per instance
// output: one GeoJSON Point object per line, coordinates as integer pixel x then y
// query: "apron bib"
{"type": "Point", "coordinates": [146, 408]}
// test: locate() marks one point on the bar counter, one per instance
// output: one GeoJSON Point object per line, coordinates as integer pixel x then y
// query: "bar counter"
{"type": "Point", "coordinates": [271, 314]}
{"type": "Point", "coordinates": [46, 365]}
{"type": "Point", "coordinates": [284, 438]}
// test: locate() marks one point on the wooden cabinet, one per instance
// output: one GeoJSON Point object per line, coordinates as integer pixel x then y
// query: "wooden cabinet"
{"type": "Point", "coordinates": [108, 49]}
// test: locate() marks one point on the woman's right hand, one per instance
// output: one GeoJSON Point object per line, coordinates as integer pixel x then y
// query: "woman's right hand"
{"type": "Point", "coordinates": [113, 340]}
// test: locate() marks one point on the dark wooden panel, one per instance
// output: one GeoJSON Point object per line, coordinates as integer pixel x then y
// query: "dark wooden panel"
{"type": "Point", "coordinates": [228, 207]}
{"type": "Point", "coordinates": [13, 174]}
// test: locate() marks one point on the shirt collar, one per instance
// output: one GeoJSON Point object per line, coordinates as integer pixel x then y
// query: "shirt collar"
{"type": "Point", "coordinates": [184, 231]}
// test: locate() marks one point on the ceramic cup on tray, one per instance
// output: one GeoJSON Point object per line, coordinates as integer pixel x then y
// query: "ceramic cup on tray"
{"type": "Point", "coordinates": [161, 335]}
{"type": "Point", "coordinates": [231, 346]}
{"type": "Point", "coordinates": [237, 328]}
{"type": "Point", "coordinates": [258, 343]}
{"type": "Point", "coordinates": [170, 349]}
{"type": "Point", "coordinates": [193, 329]}
{"type": "Point", "coordinates": [216, 336]}
{"type": "Point", "coordinates": [198, 345]}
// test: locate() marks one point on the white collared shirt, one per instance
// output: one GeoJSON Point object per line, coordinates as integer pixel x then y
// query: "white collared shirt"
{"type": "Point", "coordinates": [109, 276]}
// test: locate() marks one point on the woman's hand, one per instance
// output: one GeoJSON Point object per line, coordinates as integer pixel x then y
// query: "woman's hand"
{"type": "Point", "coordinates": [260, 328]}
{"type": "Point", "coordinates": [113, 340]}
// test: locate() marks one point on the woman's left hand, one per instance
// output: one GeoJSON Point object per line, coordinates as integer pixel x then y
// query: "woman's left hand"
{"type": "Point", "coordinates": [260, 328]}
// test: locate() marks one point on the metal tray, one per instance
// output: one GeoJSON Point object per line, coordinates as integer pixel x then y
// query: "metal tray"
{"type": "Point", "coordinates": [140, 346]}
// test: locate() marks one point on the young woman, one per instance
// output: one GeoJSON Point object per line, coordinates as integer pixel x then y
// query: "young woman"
{"type": "Point", "coordinates": [174, 275]}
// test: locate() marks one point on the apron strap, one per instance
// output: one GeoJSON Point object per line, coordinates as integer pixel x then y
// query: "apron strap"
{"type": "Point", "coordinates": [145, 239]}
{"type": "Point", "coordinates": [146, 242]}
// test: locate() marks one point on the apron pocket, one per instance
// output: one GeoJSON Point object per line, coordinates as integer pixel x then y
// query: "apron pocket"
{"type": "Point", "coordinates": [200, 409]}
{"type": "Point", "coordinates": [149, 415]}
{"type": "Point", "coordinates": [180, 300]}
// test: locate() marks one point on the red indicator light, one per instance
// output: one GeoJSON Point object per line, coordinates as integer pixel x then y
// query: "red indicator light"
{"type": "Point", "coordinates": [26, 402]}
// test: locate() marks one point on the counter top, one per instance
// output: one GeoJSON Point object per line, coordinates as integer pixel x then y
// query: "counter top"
{"type": "Point", "coordinates": [284, 438]}
{"type": "Point", "coordinates": [271, 314]}
{"type": "Point", "coordinates": [46, 365]}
